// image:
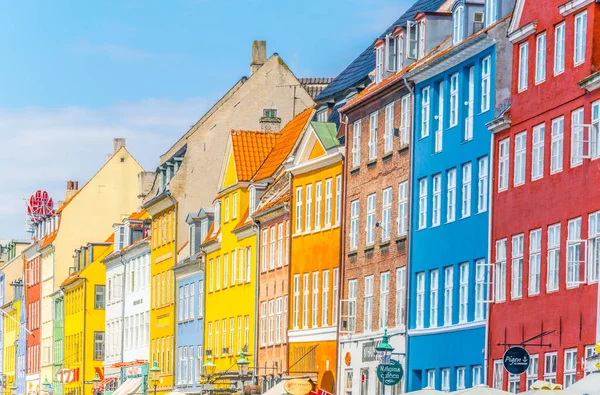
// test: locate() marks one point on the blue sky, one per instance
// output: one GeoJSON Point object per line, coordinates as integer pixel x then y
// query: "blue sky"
{"type": "Point", "coordinates": [75, 74]}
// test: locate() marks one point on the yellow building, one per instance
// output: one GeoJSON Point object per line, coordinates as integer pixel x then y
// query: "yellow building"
{"type": "Point", "coordinates": [231, 277]}
{"type": "Point", "coordinates": [84, 317]}
{"type": "Point", "coordinates": [315, 249]}
{"type": "Point", "coordinates": [12, 311]}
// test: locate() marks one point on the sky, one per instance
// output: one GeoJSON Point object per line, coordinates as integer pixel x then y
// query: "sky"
{"type": "Point", "coordinates": [75, 74]}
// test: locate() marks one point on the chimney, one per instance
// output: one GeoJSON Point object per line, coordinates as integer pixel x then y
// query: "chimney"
{"type": "Point", "coordinates": [270, 122]}
{"type": "Point", "coordinates": [145, 182]}
{"type": "Point", "coordinates": [72, 188]}
{"type": "Point", "coordinates": [118, 143]}
{"type": "Point", "coordinates": [259, 55]}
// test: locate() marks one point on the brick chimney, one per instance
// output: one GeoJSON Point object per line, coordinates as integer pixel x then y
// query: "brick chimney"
{"type": "Point", "coordinates": [259, 55]}
{"type": "Point", "coordinates": [118, 143]}
{"type": "Point", "coordinates": [145, 182]}
{"type": "Point", "coordinates": [72, 188]}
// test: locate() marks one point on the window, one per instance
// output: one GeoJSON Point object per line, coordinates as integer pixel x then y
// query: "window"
{"type": "Point", "coordinates": [461, 373]}
{"type": "Point", "coordinates": [352, 306]}
{"type": "Point", "coordinates": [234, 206]}
{"type": "Point", "coordinates": [523, 66]}
{"type": "Point", "coordinates": [391, 53]}
{"type": "Point", "coordinates": [468, 135]}
{"type": "Point", "coordinates": [451, 195]}
{"type": "Point", "coordinates": [325, 299]}
{"type": "Point", "coordinates": [271, 323]}
{"type": "Point", "coordinates": [577, 137]}
{"type": "Point", "coordinates": [491, 12]}
{"type": "Point", "coordinates": [574, 253]}
{"type": "Point", "coordinates": [553, 257]}
{"type": "Point", "coordinates": [540, 59]}
{"type": "Point", "coordinates": [535, 247]}
{"type": "Point", "coordinates": [252, 203]}
{"type": "Point", "coordinates": [463, 294]}
{"type": "Point", "coordinates": [485, 81]}
{"type": "Point", "coordinates": [454, 100]}
{"type": "Point", "coordinates": [336, 295]}
{"type": "Point", "coordinates": [431, 378]}
{"type": "Point", "coordinates": [482, 185]}
{"type": "Point", "coordinates": [227, 209]}
{"type": "Point", "coordinates": [498, 374]}
{"type": "Point", "coordinates": [296, 301]}
{"type": "Point", "coordinates": [388, 136]}
{"type": "Point", "coordinates": [270, 113]}
{"type": "Point", "coordinates": [400, 295]}
{"type": "Point", "coordinates": [422, 203]}
{"type": "Point", "coordinates": [384, 291]}
{"type": "Point", "coordinates": [500, 291]}
{"type": "Point", "coordinates": [328, 197]}
{"type": "Point", "coordinates": [98, 346]}
{"type": "Point", "coordinates": [448, 290]}
{"type": "Point", "coordinates": [595, 131]}
{"type": "Point", "coordinates": [315, 300]}
{"type": "Point", "coordinates": [218, 275]}
{"type": "Point", "coordinates": [433, 298]}
{"type": "Point", "coordinates": [559, 48]}
{"type": "Point", "coordinates": [421, 50]}
{"type": "Point", "coordinates": [370, 230]}
{"type": "Point", "coordinates": [466, 190]}
{"type": "Point", "coordinates": [532, 371]}
{"type": "Point", "coordinates": [305, 301]}
{"type": "Point", "coordinates": [400, 46]}
{"type": "Point", "coordinates": [420, 300]}
{"type": "Point", "coordinates": [503, 154]}
{"type": "Point", "coordinates": [446, 380]}
{"type": "Point", "coordinates": [537, 161]}
{"type": "Point", "coordinates": [308, 218]}
{"type": "Point", "coordinates": [318, 204]}
{"type": "Point", "coordinates": [513, 383]}
{"type": "Point", "coordinates": [402, 208]}
{"type": "Point", "coordinates": [277, 322]}
{"type": "Point", "coordinates": [570, 367]}
{"type": "Point", "coordinates": [425, 112]}
{"type": "Point", "coordinates": [440, 120]}
{"type": "Point", "coordinates": [279, 246]}
{"type": "Point", "coordinates": [580, 39]}
{"type": "Point", "coordinates": [476, 375]}
{"type": "Point", "coordinates": [368, 304]}
{"type": "Point", "coordinates": [405, 120]}
{"type": "Point", "coordinates": [354, 211]}
{"type": "Point", "coordinates": [516, 289]}
{"type": "Point", "coordinates": [457, 25]}
{"type": "Point", "coordinates": [520, 159]}
{"type": "Point", "coordinates": [589, 352]}
{"type": "Point", "coordinates": [356, 144]}
{"type": "Point", "coordinates": [348, 386]}
{"type": "Point", "coordinates": [557, 145]}
{"type": "Point", "coordinates": [480, 288]}
{"type": "Point", "coordinates": [338, 199]}
{"type": "Point", "coordinates": [550, 367]}
{"type": "Point", "coordinates": [379, 65]}
{"type": "Point", "coordinates": [594, 246]}
{"type": "Point", "coordinates": [373, 120]}
{"type": "Point", "coordinates": [437, 200]}
{"type": "Point", "coordinates": [272, 251]}
{"type": "Point", "coordinates": [386, 215]}
{"type": "Point", "coordinates": [99, 298]}
{"type": "Point", "coordinates": [299, 210]}
{"type": "Point", "coordinates": [263, 324]}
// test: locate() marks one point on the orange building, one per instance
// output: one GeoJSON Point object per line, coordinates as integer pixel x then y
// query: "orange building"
{"type": "Point", "coordinates": [315, 251]}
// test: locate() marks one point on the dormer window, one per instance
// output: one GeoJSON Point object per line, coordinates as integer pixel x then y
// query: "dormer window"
{"type": "Point", "coordinates": [203, 229]}
{"type": "Point", "coordinates": [421, 51]}
{"type": "Point", "coordinates": [119, 237]}
{"type": "Point", "coordinates": [252, 205]}
{"type": "Point", "coordinates": [379, 65]}
{"type": "Point", "coordinates": [458, 20]}
{"type": "Point", "coordinates": [400, 56]}
{"type": "Point", "coordinates": [391, 54]}
{"type": "Point", "coordinates": [491, 12]}
{"type": "Point", "coordinates": [270, 113]}
{"type": "Point", "coordinates": [411, 40]}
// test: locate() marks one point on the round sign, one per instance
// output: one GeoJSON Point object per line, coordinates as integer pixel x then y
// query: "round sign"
{"type": "Point", "coordinates": [297, 387]}
{"type": "Point", "coordinates": [516, 360]}
{"type": "Point", "coordinates": [390, 374]}
{"type": "Point", "coordinates": [348, 359]}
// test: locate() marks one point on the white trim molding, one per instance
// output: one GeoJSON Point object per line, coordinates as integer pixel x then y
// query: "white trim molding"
{"type": "Point", "coordinates": [573, 6]}
{"type": "Point", "coordinates": [591, 82]}
{"type": "Point", "coordinates": [327, 333]}
{"type": "Point", "coordinates": [523, 33]}
{"type": "Point", "coordinates": [449, 328]}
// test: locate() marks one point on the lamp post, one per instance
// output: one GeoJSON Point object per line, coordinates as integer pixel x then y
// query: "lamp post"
{"type": "Point", "coordinates": [13, 389]}
{"type": "Point", "coordinates": [384, 354]}
{"type": "Point", "coordinates": [154, 372]}
{"type": "Point", "coordinates": [242, 364]}
{"type": "Point", "coordinates": [96, 384]}
{"type": "Point", "coordinates": [48, 386]}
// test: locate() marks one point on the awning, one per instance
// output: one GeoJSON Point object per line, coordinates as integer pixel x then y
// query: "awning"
{"type": "Point", "coordinates": [277, 390]}
{"type": "Point", "coordinates": [130, 387]}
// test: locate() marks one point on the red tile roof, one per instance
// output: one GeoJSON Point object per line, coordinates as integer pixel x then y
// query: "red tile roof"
{"type": "Point", "coordinates": [244, 220]}
{"type": "Point", "coordinates": [250, 148]}
{"type": "Point", "coordinates": [139, 215]}
{"type": "Point", "coordinates": [211, 236]}
{"type": "Point", "coordinates": [286, 197]}
{"type": "Point", "coordinates": [49, 239]}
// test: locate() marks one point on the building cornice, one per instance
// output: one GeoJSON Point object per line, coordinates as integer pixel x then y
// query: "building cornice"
{"type": "Point", "coordinates": [573, 6]}
{"type": "Point", "coordinates": [591, 82]}
{"type": "Point", "coordinates": [523, 32]}
{"type": "Point", "coordinates": [446, 329]}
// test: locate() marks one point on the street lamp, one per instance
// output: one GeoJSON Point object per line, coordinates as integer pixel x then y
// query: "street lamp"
{"type": "Point", "coordinates": [209, 367]}
{"type": "Point", "coordinates": [384, 350]}
{"type": "Point", "coordinates": [48, 386]}
{"type": "Point", "coordinates": [96, 384]}
{"type": "Point", "coordinates": [154, 372]}
{"type": "Point", "coordinates": [13, 389]}
{"type": "Point", "coordinates": [242, 364]}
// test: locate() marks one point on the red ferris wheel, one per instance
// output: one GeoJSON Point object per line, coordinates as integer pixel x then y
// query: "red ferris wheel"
{"type": "Point", "coordinates": [39, 207]}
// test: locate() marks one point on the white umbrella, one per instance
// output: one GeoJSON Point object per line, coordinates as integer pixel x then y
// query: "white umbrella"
{"type": "Point", "coordinates": [590, 385]}
{"type": "Point", "coordinates": [545, 385]}
{"type": "Point", "coordinates": [481, 389]}
{"type": "Point", "coordinates": [426, 391]}
{"type": "Point", "coordinates": [549, 392]}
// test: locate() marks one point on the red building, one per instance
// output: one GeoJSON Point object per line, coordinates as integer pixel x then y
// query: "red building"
{"type": "Point", "coordinates": [33, 303]}
{"type": "Point", "coordinates": [545, 236]}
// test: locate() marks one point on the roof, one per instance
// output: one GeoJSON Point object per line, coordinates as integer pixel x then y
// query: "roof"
{"type": "Point", "coordinates": [289, 135]}
{"type": "Point", "coordinates": [250, 148]}
{"type": "Point", "coordinates": [139, 215]}
{"type": "Point", "coordinates": [49, 239]}
{"type": "Point", "coordinates": [360, 68]}
{"type": "Point", "coordinates": [326, 132]}
{"type": "Point", "coordinates": [286, 197]}
{"type": "Point", "coordinates": [314, 86]}
{"type": "Point", "coordinates": [212, 236]}
{"type": "Point", "coordinates": [243, 221]}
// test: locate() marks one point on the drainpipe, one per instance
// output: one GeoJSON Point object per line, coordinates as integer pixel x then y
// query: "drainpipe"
{"type": "Point", "coordinates": [490, 217]}
{"type": "Point", "coordinates": [123, 311]}
{"type": "Point", "coordinates": [83, 343]}
{"type": "Point", "coordinates": [168, 194]}
{"type": "Point", "coordinates": [255, 225]}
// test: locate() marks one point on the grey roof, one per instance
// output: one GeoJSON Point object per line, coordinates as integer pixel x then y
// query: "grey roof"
{"type": "Point", "coordinates": [314, 86]}
{"type": "Point", "coordinates": [360, 68]}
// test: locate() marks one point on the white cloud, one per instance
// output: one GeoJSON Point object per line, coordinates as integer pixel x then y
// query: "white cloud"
{"type": "Point", "coordinates": [42, 148]}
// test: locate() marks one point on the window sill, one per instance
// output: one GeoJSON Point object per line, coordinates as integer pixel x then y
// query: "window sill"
{"type": "Point", "coordinates": [384, 244]}
{"type": "Point", "coordinates": [553, 291]}
{"type": "Point", "coordinates": [355, 170]}
{"type": "Point", "coordinates": [369, 248]}
{"type": "Point", "coordinates": [401, 238]}
{"type": "Point", "coordinates": [371, 163]}
{"type": "Point", "coordinates": [352, 253]}
{"type": "Point", "coordinates": [387, 156]}
{"type": "Point", "coordinates": [403, 149]}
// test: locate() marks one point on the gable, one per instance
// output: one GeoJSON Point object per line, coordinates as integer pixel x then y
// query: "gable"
{"type": "Point", "coordinates": [229, 172]}
{"type": "Point", "coordinates": [316, 151]}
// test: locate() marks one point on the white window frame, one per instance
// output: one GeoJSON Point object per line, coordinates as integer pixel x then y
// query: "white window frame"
{"type": "Point", "coordinates": [574, 262]}
{"type": "Point", "coordinates": [556, 148]}
{"type": "Point", "coordinates": [454, 100]}
{"type": "Point", "coordinates": [433, 297]}
{"type": "Point", "coordinates": [580, 32]}
{"type": "Point", "coordinates": [448, 294]}
{"type": "Point", "coordinates": [405, 120]}
{"type": "Point", "coordinates": [570, 367]}
{"type": "Point", "coordinates": [482, 184]}
{"type": "Point", "coordinates": [388, 136]}
{"type": "Point", "coordinates": [299, 217]}
{"type": "Point", "coordinates": [328, 202]}
{"type": "Point", "coordinates": [373, 131]}
{"type": "Point", "coordinates": [553, 259]}
{"type": "Point", "coordinates": [480, 289]}
{"type": "Point", "coordinates": [540, 58]}
{"type": "Point", "coordinates": [498, 377]}
{"type": "Point", "coordinates": [354, 220]}
{"type": "Point", "coordinates": [436, 209]}
{"type": "Point", "coordinates": [451, 195]}
{"type": "Point", "coordinates": [486, 64]}
{"type": "Point", "coordinates": [439, 132]}
{"type": "Point", "coordinates": [500, 272]}
{"type": "Point", "coordinates": [309, 207]}
{"type": "Point", "coordinates": [463, 276]}
{"type": "Point", "coordinates": [318, 204]}
{"type": "Point", "coordinates": [425, 111]}
{"type": "Point", "coordinates": [466, 189]}
{"type": "Point", "coordinates": [516, 288]}
{"type": "Point", "coordinates": [577, 139]}
{"type": "Point", "coordinates": [403, 208]}
{"type": "Point", "coordinates": [559, 48]}
{"type": "Point", "coordinates": [356, 144]}
{"type": "Point", "coordinates": [386, 215]}
{"type": "Point", "coordinates": [520, 159]}
{"type": "Point", "coordinates": [420, 307]}
{"type": "Point", "coordinates": [400, 296]}
{"type": "Point", "coordinates": [422, 203]}
{"type": "Point", "coordinates": [535, 258]}
{"type": "Point", "coordinates": [550, 366]}
{"type": "Point", "coordinates": [384, 292]}
{"type": "Point", "coordinates": [537, 155]}
{"type": "Point", "coordinates": [523, 76]}
{"type": "Point", "coordinates": [458, 21]}
{"type": "Point", "coordinates": [594, 132]}
{"type": "Point", "coordinates": [370, 225]}
{"type": "Point", "coordinates": [593, 271]}
{"type": "Point", "coordinates": [503, 164]}
{"type": "Point", "coordinates": [368, 304]}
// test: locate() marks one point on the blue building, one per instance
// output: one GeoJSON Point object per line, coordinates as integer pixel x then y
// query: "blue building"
{"type": "Point", "coordinates": [449, 226]}
{"type": "Point", "coordinates": [189, 277]}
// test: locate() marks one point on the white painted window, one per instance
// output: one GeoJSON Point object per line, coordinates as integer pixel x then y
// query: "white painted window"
{"type": "Point", "coordinates": [352, 306]}
{"type": "Point", "coordinates": [338, 199]}
{"type": "Point", "coordinates": [279, 248]}
{"type": "Point", "coordinates": [540, 58]}
{"type": "Point", "coordinates": [454, 100]}
{"type": "Point", "coordinates": [458, 25]}
{"type": "Point", "coordinates": [370, 229]}
{"type": "Point", "coordinates": [577, 137]}
{"type": "Point", "coordinates": [402, 208]}
{"type": "Point", "coordinates": [559, 48]}
{"type": "Point", "coordinates": [500, 272]}
{"type": "Point", "coordinates": [263, 252]}
{"type": "Point", "coordinates": [263, 324]}
{"type": "Point", "coordinates": [580, 38]}
{"type": "Point", "coordinates": [463, 311]}
{"type": "Point", "coordinates": [431, 378]}
{"type": "Point", "coordinates": [594, 246]}
{"type": "Point", "coordinates": [379, 65]}
{"type": "Point", "coordinates": [451, 195]}
{"type": "Point", "coordinates": [405, 120]}
{"type": "Point", "coordinates": [318, 204]}
{"type": "Point", "coordinates": [433, 298]}
{"type": "Point", "coordinates": [482, 184]}
{"type": "Point", "coordinates": [535, 248]}
{"type": "Point", "coordinates": [420, 300]}
{"type": "Point", "coordinates": [520, 158]}
{"type": "Point", "coordinates": [523, 66]}
{"type": "Point", "coordinates": [296, 307]}
{"type": "Point", "coordinates": [480, 288]}
{"type": "Point", "coordinates": [305, 288]}
{"type": "Point", "coordinates": [368, 304]}
{"type": "Point", "coordinates": [373, 131]}
{"type": "Point", "coordinates": [485, 83]}
{"type": "Point", "coordinates": [272, 248]}
{"type": "Point", "coordinates": [309, 208]}
{"type": "Point", "coordinates": [466, 190]}
{"type": "Point", "coordinates": [445, 380]}
{"type": "Point", "coordinates": [400, 46]}
{"type": "Point", "coordinates": [384, 292]}
{"type": "Point", "coordinates": [448, 290]}
{"type": "Point", "coordinates": [325, 299]}
{"type": "Point", "coordinates": [550, 364]}
{"type": "Point", "coordinates": [356, 144]}
{"type": "Point", "coordinates": [388, 137]}
{"type": "Point", "coordinates": [436, 200]}
{"type": "Point", "coordinates": [574, 253]}
{"type": "Point", "coordinates": [516, 289]}
{"type": "Point", "coordinates": [298, 210]}
{"type": "Point", "coordinates": [425, 111]}
{"type": "Point", "coordinates": [468, 135]}
{"type": "Point", "coordinates": [391, 54]}
{"type": "Point", "coordinates": [556, 154]}
{"type": "Point", "coordinates": [315, 300]}
{"type": "Point", "coordinates": [498, 374]}
{"type": "Point", "coordinates": [532, 371]}
{"type": "Point", "coordinates": [336, 295]}
{"type": "Point", "coordinates": [439, 140]}
{"type": "Point", "coordinates": [570, 367]}
{"type": "Point", "coordinates": [461, 373]}
{"type": "Point", "coordinates": [217, 279]}
{"type": "Point", "coordinates": [514, 383]}
{"type": "Point", "coordinates": [476, 375]}
{"type": "Point", "coordinates": [386, 214]}
{"type": "Point", "coordinates": [400, 295]}
{"type": "Point", "coordinates": [421, 48]}
{"type": "Point", "coordinates": [503, 158]}
{"type": "Point", "coordinates": [422, 203]}
{"type": "Point", "coordinates": [227, 209]}
{"type": "Point", "coordinates": [553, 257]}
{"type": "Point", "coordinates": [595, 131]}
{"type": "Point", "coordinates": [491, 12]}
{"type": "Point", "coordinates": [328, 201]}
{"type": "Point", "coordinates": [354, 211]}
{"type": "Point", "coordinates": [537, 160]}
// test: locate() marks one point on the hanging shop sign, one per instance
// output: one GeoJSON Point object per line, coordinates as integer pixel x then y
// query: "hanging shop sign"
{"type": "Point", "coordinates": [368, 352]}
{"type": "Point", "coordinates": [297, 387]}
{"type": "Point", "coordinates": [516, 360]}
{"type": "Point", "coordinates": [390, 374]}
